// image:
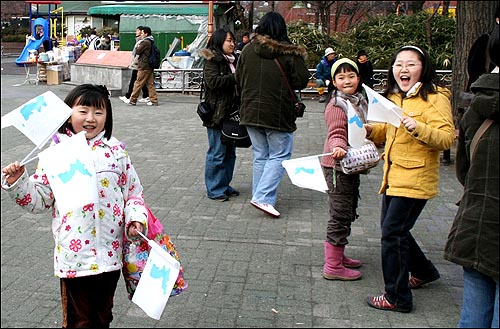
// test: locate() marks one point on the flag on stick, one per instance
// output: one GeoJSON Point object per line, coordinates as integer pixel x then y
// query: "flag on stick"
{"type": "Point", "coordinates": [306, 172]}
{"type": "Point", "coordinates": [157, 280]}
{"type": "Point", "coordinates": [381, 109]}
{"type": "Point", "coordinates": [39, 118]}
{"type": "Point", "coordinates": [71, 173]}
{"type": "Point", "coordinates": [355, 130]}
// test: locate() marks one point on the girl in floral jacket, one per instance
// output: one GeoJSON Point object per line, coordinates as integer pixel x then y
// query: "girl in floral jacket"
{"type": "Point", "coordinates": [88, 239]}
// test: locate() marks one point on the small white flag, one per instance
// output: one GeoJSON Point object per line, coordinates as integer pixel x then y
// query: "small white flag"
{"type": "Point", "coordinates": [381, 109]}
{"type": "Point", "coordinates": [356, 132]}
{"type": "Point", "coordinates": [306, 172]}
{"type": "Point", "coordinates": [157, 281]}
{"type": "Point", "coordinates": [39, 118]}
{"type": "Point", "coordinates": [71, 173]}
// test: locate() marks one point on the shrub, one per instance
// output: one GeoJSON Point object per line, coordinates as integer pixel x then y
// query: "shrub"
{"type": "Point", "coordinates": [309, 37]}
{"type": "Point", "coordinates": [14, 33]}
{"type": "Point", "coordinates": [381, 36]}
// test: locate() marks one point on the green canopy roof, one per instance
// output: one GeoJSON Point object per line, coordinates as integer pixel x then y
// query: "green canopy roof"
{"type": "Point", "coordinates": [147, 10]}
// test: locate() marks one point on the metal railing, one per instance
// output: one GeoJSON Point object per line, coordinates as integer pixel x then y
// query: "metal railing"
{"type": "Point", "coordinates": [188, 80]}
{"type": "Point", "coordinates": [178, 80]}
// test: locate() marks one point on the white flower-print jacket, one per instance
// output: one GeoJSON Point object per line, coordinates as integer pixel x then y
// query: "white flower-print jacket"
{"type": "Point", "coordinates": [88, 240]}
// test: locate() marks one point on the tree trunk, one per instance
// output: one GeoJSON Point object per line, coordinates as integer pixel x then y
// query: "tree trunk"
{"type": "Point", "coordinates": [428, 28]}
{"type": "Point", "coordinates": [473, 19]}
{"type": "Point", "coordinates": [241, 16]}
{"type": "Point", "coordinates": [446, 7]}
{"type": "Point", "coordinates": [327, 21]}
{"type": "Point", "coordinates": [250, 16]}
{"type": "Point", "coordinates": [416, 6]}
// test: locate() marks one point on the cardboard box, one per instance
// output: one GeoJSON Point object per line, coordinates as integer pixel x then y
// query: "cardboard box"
{"type": "Point", "coordinates": [54, 74]}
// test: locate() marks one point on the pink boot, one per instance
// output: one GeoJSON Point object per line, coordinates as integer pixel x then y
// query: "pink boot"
{"type": "Point", "coordinates": [333, 269]}
{"type": "Point", "coordinates": [351, 263]}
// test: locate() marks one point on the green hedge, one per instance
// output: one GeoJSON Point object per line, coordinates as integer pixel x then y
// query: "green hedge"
{"type": "Point", "coordinates": [17, 34]}
{"type": "Point", "coordinates": [381, 36]}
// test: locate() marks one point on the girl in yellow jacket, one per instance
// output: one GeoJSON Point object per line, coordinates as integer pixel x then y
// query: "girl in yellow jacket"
{"type": "Point", "coordinates": [411, 171]}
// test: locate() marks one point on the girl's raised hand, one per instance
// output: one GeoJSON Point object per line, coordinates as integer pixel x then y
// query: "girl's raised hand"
{"type": "Point", "coordinates": [12, 172]}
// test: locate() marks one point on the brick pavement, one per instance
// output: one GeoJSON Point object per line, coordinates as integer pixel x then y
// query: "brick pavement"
{"type": "Point", "coordinates": [240, 264]}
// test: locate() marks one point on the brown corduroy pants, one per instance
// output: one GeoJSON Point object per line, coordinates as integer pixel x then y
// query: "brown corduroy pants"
{"type": "Point", "coordinates": [87, 302]}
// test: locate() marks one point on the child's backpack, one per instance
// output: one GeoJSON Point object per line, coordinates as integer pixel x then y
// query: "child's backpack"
{"type": "Point", "coordinates": [154, 59]}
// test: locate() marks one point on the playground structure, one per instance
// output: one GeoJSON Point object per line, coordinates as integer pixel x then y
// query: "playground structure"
{"type": "Point", "coordinates": [43, 31]}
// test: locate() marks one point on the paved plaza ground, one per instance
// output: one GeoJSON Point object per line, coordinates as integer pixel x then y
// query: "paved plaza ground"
{"type": "Point", "coordinates": [244, 269]}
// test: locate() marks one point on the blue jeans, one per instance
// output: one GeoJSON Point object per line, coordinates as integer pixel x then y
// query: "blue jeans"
{"type": "Point", "coordinates": [480, 301]}
{"type": "Point", "coordinates": [320, 83]}
{"type": "Point", "coordinates": [400, 252]}
{"type": "Point", "coordinates": [219, 165]}
{"type": "Point", "coordinates": [270, 148]}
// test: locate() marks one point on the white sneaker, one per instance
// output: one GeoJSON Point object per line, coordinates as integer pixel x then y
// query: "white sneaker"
{"type": "Point", "coordinates": [151, 104]}
{"type": "Point", "coordinates": [267, 208]}
{"type": "Point", "coordinates": [124, 99]}
{"type": "Point", "coordinates": [143, 100]}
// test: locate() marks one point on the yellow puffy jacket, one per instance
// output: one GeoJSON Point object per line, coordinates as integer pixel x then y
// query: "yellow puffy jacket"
{"type": "Point", "coordinates": [411, 159]}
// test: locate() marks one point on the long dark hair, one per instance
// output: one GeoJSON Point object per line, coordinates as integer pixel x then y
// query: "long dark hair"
{"type": "Point", "coordinates": [429, 78]}
{"type": "Point", "coordinates": [273, 25]}
{"type": "Point", "coordinates": [90, 95]}
{"type": "Point", "coordinates": [217, 40]}
{"type": "Point", "coordinates": [493, 45]}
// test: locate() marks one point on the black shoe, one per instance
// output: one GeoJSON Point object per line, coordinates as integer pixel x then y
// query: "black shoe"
{"type": "Point", "coordinates": [221, 198]}
{"type": "Point", "coordinates": [233, 193]}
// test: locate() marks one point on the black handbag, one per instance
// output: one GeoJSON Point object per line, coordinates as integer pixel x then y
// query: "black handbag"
{"type": "Point", "coordinates": [298, 106]}
{"type": "Point", "coordinates": [234, 134]}
{"type": "Point", "coordinates": [204, 110]}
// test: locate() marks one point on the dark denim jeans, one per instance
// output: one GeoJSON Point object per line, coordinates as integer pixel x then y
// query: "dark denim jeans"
{"type": "Point", "coordinates": [219, 165]}
{"type": "Point", "coordinates": [400, 252]}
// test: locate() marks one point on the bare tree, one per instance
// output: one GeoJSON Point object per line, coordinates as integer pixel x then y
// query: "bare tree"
{"type": "Point", "coordinates": [355, 10]}
{"type": "Point", "coordinates": [415, 6]}
{"type": "Point", "coordinates": [428, 29]}
{"type": "Point", "coordinates": [250, 16]}
{"type": "Point", "coordinates": [446, 7]}
{"type": "Point", "coordinates": [473, 19]}
{"type": "Point", "coordinates": [322, 12]}
{"type": "Point", "coordinates": [240, 13]}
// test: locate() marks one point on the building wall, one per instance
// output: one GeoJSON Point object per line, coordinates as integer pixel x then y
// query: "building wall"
{"type": "Point", "coordinates": [11, 9]}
